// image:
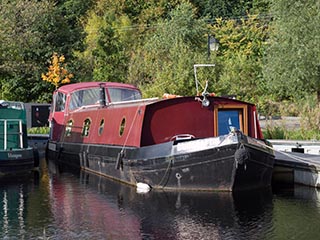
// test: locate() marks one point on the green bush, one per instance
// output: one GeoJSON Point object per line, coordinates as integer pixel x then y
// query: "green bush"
{"type": "Point", "coordinates": [277, 132]}
{"type": "Point", "coordinates": [39, 130]}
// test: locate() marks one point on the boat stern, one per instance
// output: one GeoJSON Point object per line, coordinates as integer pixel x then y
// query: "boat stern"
{"type": "Point", "coordinates": [16, 161]}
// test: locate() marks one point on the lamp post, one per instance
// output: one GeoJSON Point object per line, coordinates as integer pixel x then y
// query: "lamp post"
{"type": "Point", "coordinates": [213, 44]}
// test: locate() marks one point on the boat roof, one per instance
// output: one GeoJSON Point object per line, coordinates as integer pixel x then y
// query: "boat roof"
{"type": "Point", "coordinates": [11, 104]}
{"type": "Point", "coordinates": [83, 85]}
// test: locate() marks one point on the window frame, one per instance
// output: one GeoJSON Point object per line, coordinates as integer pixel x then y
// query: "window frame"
{"type": "Point", "coordinates": [243, 116]}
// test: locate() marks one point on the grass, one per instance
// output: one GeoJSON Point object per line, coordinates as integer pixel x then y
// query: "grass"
{"type": "Point", "coordinates": [279, 132]}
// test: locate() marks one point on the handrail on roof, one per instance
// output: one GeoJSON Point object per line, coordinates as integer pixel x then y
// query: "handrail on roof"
{"type": "Point", "coordinates": [134, 101]}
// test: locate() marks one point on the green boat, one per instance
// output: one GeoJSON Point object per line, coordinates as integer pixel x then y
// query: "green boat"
{"type": "Point", "coordinates": [15, 155]}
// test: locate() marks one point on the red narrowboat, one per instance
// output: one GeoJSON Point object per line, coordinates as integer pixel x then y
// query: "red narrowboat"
{"type": "Point", "coordinates": [202, 143]}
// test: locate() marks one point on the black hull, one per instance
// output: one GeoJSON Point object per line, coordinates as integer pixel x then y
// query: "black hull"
{"type": "Point", "coordinates": [16, 167]}
{"type": "Point", "coordinates": [229, 167]}
{"type": "Point", "coordinates": [25, 160]}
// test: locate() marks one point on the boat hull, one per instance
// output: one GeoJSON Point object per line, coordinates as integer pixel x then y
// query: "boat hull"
{"type": "Point", "coordinates": [225, 163]}
{"type": "Point", "coordinates": [17, 161]}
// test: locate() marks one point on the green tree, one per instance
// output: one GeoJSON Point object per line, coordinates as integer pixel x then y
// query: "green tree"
{"type": "Point", "coordinates": [239, 58]}
{"type": "Point", "coordinates": [30, 32]}
{"type": "Point", "coordinates": [116, 30]}
{"type": "Point", "coordinates": [20, 48]}
{"type": "Point", "coordinates": [292, 68]}
{"type": "Point", "coordinates": [165, 61]}
{"type": "Point", "coordinates": [111, 55]}
{"type": "Point", "coordinates": [230, 9]}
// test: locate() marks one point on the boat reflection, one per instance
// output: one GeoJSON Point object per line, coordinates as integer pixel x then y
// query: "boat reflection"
{"type": "Point", "coordinates": [61, 204]}
{"type": "Point", "coordinates": [183, 215]}
{"type": "Point", "coordinates": [11, 201]}
{"type": "Point", "coordinates": [15, 204]}
{"type": "Point", "coordinates": [81, 212]}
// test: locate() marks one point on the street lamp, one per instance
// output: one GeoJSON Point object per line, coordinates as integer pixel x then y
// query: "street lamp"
{"type": "Point", "coordinates": [213, 44]}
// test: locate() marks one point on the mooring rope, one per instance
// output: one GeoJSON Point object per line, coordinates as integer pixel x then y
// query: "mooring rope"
{"type": "Point", "coordinates": [166, 172]}
{"type": "Point", "coordinates": [130, 129]}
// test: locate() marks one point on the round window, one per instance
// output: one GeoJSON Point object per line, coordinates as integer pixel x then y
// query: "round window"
{"type": "Point", "coordinates": [122, 126]}
{"type": "Point", "coordinates": [86, 127]}
{"type": "Point", "coordinates": [69, 128]}
{"type": "Point", "coordinates": [101, 127]}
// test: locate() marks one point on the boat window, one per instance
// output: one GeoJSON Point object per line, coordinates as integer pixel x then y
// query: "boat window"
{"type": "Point", "coordinates": [85, 97]}
{"type": "Point", "coordinates": [10, 134]}
{"type": "Point", "coordinates": [86, 127]}
{"type": "Point", "coordinates": [123, 94]}
{"type": "Point", "coordinates": [60, 101]}
{"type": "Point", "coordinates": [69, 128]}
{"type": "Point", "coordinates": [101, 127]}
{"type": "Point", "coordinates": [229, 118]}
{"type": "Point", "coordinates": [122, 126]}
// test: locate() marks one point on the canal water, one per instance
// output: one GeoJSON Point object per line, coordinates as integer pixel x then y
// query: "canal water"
{"type": "Point", "coordinates": [56, 203]}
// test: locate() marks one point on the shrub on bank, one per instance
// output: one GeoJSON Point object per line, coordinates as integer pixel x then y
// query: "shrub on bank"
{"type": "Point", "coordinates": [280, 132]}
{"type": "Point", "coordinates": [39, 130]}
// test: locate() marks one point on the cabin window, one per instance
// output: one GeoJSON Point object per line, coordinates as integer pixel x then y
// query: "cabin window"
{"type": "Point", "coordinates": [84, 98]}
{"type": "Point", "coordinates": [10, 134]}
{"type": "Point", "coordinates": [60, 101]}
{"type": "Point", "coordinates": [86, 127]}
{"type": "Point", "coordinates": [122, 127]}
{"type": "Point", "coordinates": [123, 94]}
{"type": "Point", "coordinates": [228, 118]}
{"type": "Point", "coordinates": [69, 128]}
{"type": "Point", "coordinates": [101, 127]}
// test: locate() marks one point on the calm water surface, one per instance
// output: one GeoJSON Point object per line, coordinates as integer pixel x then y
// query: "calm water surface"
{"type": "Point", "coordinates": [56, 204]}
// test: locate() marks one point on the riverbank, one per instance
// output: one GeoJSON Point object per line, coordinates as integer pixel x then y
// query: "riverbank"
{"type": "Point", "coordinates": [289, 123]}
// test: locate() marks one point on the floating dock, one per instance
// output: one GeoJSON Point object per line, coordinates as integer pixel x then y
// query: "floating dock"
{"type": "Point", "coordinates": [309, 147]}
{"type": "Point", "coordinates": [297, 162]}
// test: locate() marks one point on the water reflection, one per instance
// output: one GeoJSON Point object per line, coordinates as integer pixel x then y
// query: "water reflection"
{"type": "Point", "coordinates": [61, 204]}
{"type": "Point", "coordinates": [13, 207]}
{"type": "Point", "coordinates": [297, 212]}
{"type": "Point", "coordinates": [24, 206]}
{"type": "Point", "coordinates": [83, 213]}
{"type": "Point", "coordinates": [189, 215]}
{"type": "Point", "coordinates": [125, 214]}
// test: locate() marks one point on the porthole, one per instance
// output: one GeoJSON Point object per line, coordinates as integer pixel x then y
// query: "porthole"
{"type": "Point", "coordinates": [101, 127]}
{"type": "Point", "coordinates": [69, 128]}
{"type": "Point", "coordinates": [86, 127]}
{"type": "Point", "coordinates": [122, 127]}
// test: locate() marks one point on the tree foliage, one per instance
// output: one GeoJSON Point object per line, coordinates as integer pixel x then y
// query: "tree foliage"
{"type": "Point", "coordinates": [235, 9]}
{"type": "Point", "coordinates": [292, 67]}
{"type": "Point", "coordinates": [165, 61]}
{"type": "Point", "coordinates": [57, 72]}
{"type": "Point", "coordinates": [115, 31]}
{"type": "Point", "coordinates": [30, 31]}
{"type": "Point", "coordinates": [263, 54]}
{"type": "Point", "coordinates": [239, 60]}
{"type": "Point", "coordinates": [19, 47]}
